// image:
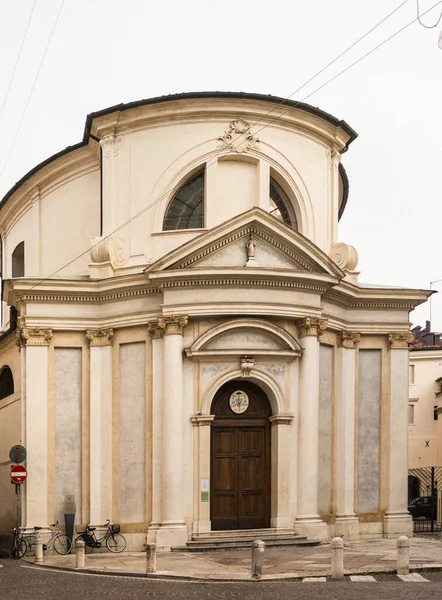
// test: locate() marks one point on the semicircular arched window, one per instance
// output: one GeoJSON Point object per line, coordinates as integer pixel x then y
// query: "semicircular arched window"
{"type": "Point", "coordinates": [279, 205]}
{"type": "Point", "coordinates": [186, 209]}
{"type": "Point", "coordinates": [6, 382]}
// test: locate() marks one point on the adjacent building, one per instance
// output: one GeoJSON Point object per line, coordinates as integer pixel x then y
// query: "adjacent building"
{"type": "Point", "coordinates": [193, 351]}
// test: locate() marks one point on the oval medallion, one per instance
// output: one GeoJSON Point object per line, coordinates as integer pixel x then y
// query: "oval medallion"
{"type": "Point", "coordinates": [239, 402]}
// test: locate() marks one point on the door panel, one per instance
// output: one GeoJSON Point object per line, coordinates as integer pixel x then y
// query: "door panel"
{"type": "Point", "coordinates": [240, 478]}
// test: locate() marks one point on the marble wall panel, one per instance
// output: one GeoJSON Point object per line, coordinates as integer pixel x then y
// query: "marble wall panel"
{"type": "Point", "coordinates": [369, 435]}
{"type": "Point", "coordinates": [67, 394]}
{"type": "Point", "coordinates": [325, 426]}
{"type": "Point", "coordinates": [133, 432]}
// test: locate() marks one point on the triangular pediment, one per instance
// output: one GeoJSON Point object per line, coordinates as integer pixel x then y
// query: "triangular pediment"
{"type": "Point", "coordinates": [253, 239]}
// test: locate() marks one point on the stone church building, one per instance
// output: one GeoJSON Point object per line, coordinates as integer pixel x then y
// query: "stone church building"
{"type": "Point", "coordinates": [190, 350]}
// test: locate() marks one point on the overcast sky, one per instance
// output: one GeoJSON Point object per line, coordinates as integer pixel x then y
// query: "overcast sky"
{"type": "Point", "coordinates": [104, 52]}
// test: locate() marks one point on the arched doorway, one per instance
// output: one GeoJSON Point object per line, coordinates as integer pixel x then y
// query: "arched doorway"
{"type": "Point", "coordinates": [240, 457]}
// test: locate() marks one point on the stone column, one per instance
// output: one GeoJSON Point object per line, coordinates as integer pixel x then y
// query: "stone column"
{"type": "Point", "coordinates": [173, 531]}
{"type": "Point", "coordinates": [100, 343]}
{"type": "Point", "coordinates": [280, 501]}
{"type": "Point", "coordinates": [156, 334]}
{"type": "Point", "coordinates": [346, 522]}
{"type": "Point", "coordinates": [397, 520]}
{"type": "Point", "coordinates": [34, 344]}
{"type": "Point", "coordinates": [202, 431]}
{"type": "Point", "coordinates": [308, 522]}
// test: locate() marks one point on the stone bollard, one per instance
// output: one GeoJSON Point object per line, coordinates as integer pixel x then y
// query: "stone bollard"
{"type": "Point", "coordinates": [38, 549]}
{"type": "Point", "coordinates": [257, 557]}
{"type": "Point", "coordinates": [337, 558]}
{"type": "Point", "coordinates": [151, 558]}
{"type": "Point", "coordinates": [80, 547]}
{"type": "Point", "coordinates": [403, 555]}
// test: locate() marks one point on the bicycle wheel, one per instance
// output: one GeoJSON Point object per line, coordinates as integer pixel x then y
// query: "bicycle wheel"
{"type": "Point", "coordinates": [62, 544]}
{"type": "Point", "coordinates": [31, 540]}
{"type": "Point", "coordinates": [85, 537]}
{"type": "Point", "coordinates": [17, 548]}
{"type": "Point", "coordinates": [116, 542]}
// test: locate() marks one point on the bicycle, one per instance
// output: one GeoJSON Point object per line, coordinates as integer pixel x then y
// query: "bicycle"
{"type": "Point", "coordinates": [114, 540]}
{"type": "Point", "coordinates": [18, 545]}
{"type": "Point", "coordinates": [60, 542]}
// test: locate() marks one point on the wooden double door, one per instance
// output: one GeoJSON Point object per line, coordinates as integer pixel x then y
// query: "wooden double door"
{"type": "Point", "coordinates": [240, 460]}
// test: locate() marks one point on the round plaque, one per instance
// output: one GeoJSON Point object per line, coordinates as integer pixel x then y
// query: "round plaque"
{"type": "Point", "coordinates": [239, 402]}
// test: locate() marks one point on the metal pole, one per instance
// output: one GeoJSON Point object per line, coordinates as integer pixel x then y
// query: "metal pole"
{"type": "Point", "coordinates": [432, 499]}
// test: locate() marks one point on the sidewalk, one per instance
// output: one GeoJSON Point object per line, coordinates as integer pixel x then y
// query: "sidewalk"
{"type": "Point", "coordinates": [288, 562]}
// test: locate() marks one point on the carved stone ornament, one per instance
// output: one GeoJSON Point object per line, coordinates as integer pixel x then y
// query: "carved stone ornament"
{"type": "Point", "coordinates": [111, 145]}
{"type": "Point", "coordinates": [346, 257]}
{"type": "Point", "coordinates": [238, 137]}
{"type": "Point", "coordinates": [246, 366]}
{"type": "Point", "coordinates": [173, 324]}
{"type": "Point", "coordinates": [349, 339]}
{"type": "Point", "coordinates": [100, 250]}
{"type": "Point", "coordinates": [311, 326]}
{"type": "Point", "coordinates": [250, 247]}
{"type": "Point", "coordinates": [33, 336]}
{"type": "Point", "coordinates": [155, 331]}
{"type": "Point", "coordinates": [400, 340]}
{"type": "Point", "coordinates": [99, 337]}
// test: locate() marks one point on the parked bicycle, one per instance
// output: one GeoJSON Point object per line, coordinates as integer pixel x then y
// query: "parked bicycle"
{"type": "Point", "coordinates": [114, 540]}
{"type": "Point", "coordinates": [18, 545]}
{"type": "Point", "coordinates": [60, 542]}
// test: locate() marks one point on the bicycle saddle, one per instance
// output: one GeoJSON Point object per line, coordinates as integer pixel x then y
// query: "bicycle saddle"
{"type": "Point", "coordinates": [38, 528]}
{"type": "Point", "coordinates": [91, 528]}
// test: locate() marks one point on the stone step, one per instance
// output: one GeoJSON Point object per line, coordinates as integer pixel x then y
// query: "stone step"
{"type": "Point", "coordinates": [211, 545]}
{"type": "Point", "coordinates": [242, 533]}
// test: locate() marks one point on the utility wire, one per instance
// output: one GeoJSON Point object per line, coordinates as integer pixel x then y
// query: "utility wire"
{"type": "Point", "coordinates": [419, 17]}
{"type": "Point", "coordinates": [160, 198]}
{"type": "Point", "coordinates": [17, 60]}
{"type": "Point", "coordinates": [32, 90]}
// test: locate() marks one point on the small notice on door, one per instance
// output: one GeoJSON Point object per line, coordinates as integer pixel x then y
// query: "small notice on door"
{"type": "Point", "coordinates": [204, 496]}
{"type": "Point", "coordinates": [204, 488]}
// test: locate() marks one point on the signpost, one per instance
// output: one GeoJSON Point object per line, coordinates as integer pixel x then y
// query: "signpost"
{"type": "Point", "coordinates": [18, 474]}
{"type": "Point", "coordinates": [17, 454]}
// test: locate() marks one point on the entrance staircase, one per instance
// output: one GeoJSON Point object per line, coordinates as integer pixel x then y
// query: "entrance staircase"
{"type": "Point", "coordinates": [236, 539]}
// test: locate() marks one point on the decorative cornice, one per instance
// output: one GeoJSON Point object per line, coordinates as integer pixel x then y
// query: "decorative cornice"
{"type": "Point", "coordinates": [173, 325]}
{"type": "Point", "coordinates": [400, 340]}
{"type": "Point", "coordinates": [33, 336]}
{"type": "Point", "coordinates": [311, 326]}
{"type": "Point", "coordinates": [89, 299]}
{"type": "Point", "coordinates": [337, 298]}
{"type": "Point", "coordinates": [202, 420]}
{"type": "Point", "coordinates": [243, 281]}
{"type": "Point", "coordinates": [281, 420]}
{"type": "Point", "coordinates": [246, 366]}
{"type": "Point", "coordinates": [238, 137]}
{"type": "Point", "coordinates": [155, 331]}
{"type": "Point", "coordinates": [99, 337]}
{"type": "Point", "coordinates": [349, 339]}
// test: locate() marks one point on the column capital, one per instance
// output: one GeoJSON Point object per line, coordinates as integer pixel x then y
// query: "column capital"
{"type": "Point", "coordinates": [398, 340]}
{"type": "Point", "coordinates": [173, 324]}
{"type": "Point", "coordinates": [311, 326]}
{"type": "Point", "coordinates": [281, 420]}
{"type": "Point", "coordinates": [349, 339]}
{"type": "Point", "coordinates": [202, 420]}
{"type": "Point", "coordinates": [99, 337]}
{"type": "Point", "coordinates": [155, 331]}
{"type": "Point", "coordinates": [33, 336]}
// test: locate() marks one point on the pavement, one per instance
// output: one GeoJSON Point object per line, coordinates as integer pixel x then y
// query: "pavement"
{"type": "Point", "coordinates": [284, 563]}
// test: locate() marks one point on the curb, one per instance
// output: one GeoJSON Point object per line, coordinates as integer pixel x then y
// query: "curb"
{"type": "Point", "coordinates": [247, 578]}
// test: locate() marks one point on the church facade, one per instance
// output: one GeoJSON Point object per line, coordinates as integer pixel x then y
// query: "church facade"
{"type": "Point", "coordinates": [209, 361]}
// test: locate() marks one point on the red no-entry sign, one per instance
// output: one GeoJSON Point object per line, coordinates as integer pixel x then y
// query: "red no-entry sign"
{"type": "Point", "coordinates": [18, 474]}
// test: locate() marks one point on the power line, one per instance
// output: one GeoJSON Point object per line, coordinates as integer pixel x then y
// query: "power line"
{"type": "Point", "coordinates": [17, 60]}
{"type": "Point", "coordinates": [160, 198]}
{"type": "Point", "coordinates": [32, 90]}
{"type": "Point", "coordinates": [419, 17]}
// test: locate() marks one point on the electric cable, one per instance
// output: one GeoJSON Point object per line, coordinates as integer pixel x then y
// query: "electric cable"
{"type": "Point", "coordinates": [419, 17]}
{"type": "Point", "coordinates": [161, 197]}
{"type": "Point", "coordinates": [17, 60]}
{"type": "Point", "coordinates": [32, 90]}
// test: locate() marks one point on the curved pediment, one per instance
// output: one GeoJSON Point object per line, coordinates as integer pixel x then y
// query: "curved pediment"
{"type": "Point", "coordinates": [254, 337]}
{"type": "Point", "coordinates": [276, 246]}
